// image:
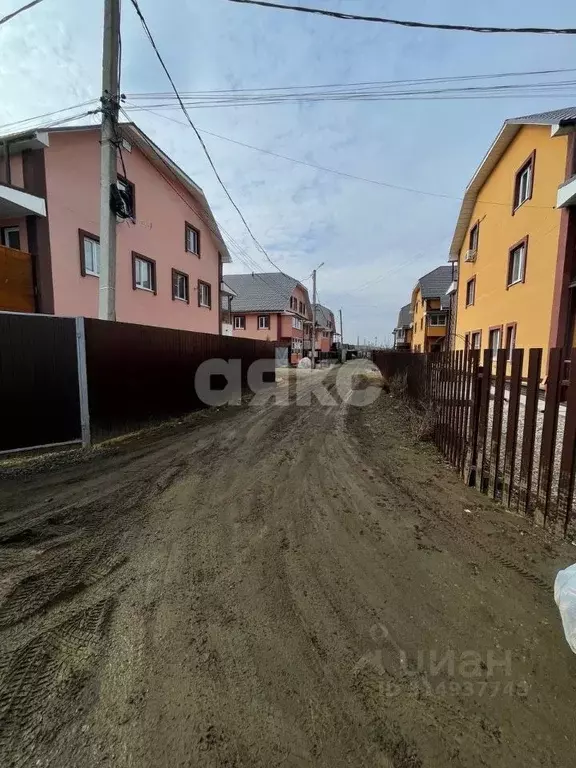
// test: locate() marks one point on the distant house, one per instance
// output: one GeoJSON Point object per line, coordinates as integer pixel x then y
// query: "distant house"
{"type": "Point", "coordinates": [325, 328]}
{"type": "Point", "coordinates": [403, 330]}
{"type": "Point", "coordinates": [270, 306]}
{"type": "Point", "coordinates": [430, 308]}
{"type": "Point", "coordinates": [169, 248]}
{"type": "Point", "coordinates": [514, 245]}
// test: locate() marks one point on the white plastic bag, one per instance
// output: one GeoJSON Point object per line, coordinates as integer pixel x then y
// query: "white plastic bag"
{"type": "Point", "coordinates": [565, 596]}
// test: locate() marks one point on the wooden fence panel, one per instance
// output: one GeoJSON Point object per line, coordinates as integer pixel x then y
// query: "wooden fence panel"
{"type": "Point", "coordinates": [528, 439]}
{"type": "Point", "coordinates": [512, 427]}
{"type": "Point", "coordinates": [568, 456]}
{"type": "Point", "coordinates": [549, 429]}
{"type": "Point", "coordinates": [16, 281]}
{"type": "Point", "coordinates": [483, 418]}
{"type": "Point", "coordinates": [496, 433]}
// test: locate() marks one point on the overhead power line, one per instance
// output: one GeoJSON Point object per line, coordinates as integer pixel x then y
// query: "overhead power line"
{"type": "Point", "coordinates": [35, 118]}
{"type": "Point", "coordinates": [413, 24]}
{"type": "Point", "coordinates": [200, 139]}
{"type": "Point", "coordinates": [325, 169]}
{"type": "Point", "coordinates": [15, 13]}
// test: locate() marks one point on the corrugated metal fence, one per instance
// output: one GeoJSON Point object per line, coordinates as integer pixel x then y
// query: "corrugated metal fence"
{"type": "Point", "coordinates": [63, 380]}
{"type": "Point", "coordinates": [509, 436]}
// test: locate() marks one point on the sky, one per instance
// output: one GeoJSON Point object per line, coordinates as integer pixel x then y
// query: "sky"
{"type": "Point", "coordinates": [374, 241]}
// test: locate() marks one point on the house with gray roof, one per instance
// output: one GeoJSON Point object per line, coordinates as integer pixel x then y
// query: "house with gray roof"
{"type": "Point", "coordinates": [403, 330]}
{"type": "Point", "coordinates": [270, 306]}
{"type": "Point", "coordinates": [429, 309]}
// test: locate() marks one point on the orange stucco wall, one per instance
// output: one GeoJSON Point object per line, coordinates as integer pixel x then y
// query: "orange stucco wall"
{"type": "Point", "coordinates": [527, 304]}
{"type": "Point", "coordinates": [418, 324]}
{"type": "Point", "coordinates": [72, 173]}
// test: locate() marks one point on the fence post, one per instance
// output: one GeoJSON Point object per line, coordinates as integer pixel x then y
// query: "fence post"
{"type": "Point", "coordinates": [83, 381]}
{"type": "Point", "coordinates": [475, 419]}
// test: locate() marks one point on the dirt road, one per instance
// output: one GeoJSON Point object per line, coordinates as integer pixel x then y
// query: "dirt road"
{"type": "Point", "coordinates": [276, 586]}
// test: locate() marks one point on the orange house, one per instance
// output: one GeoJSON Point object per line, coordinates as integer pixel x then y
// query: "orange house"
{"type": "Point", "coordinates": [430, 310]}
{"type": "Point", "coordinates": [270, 306]}
{"type": "Point", "coordinates": [514, 246]}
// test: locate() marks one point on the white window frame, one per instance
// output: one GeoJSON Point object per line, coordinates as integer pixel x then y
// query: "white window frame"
{"type": "Point", "coordinates": [495, 333]}
{"type": "Point", "coordinates": [204, 295]}
{"type": "Point", "coordinates": [139, 282]}
{"type": "Point", "coordinates": [512, 342]}
{"type": "Point", "coordinates": [520, 249]}
{"type": "Point", "coordinates": [400, 334]}
{"type": "Point", "coordinates": [266, 319]}
{"type": "Point", "coordinates": [182, 280]}
{"type": "Point", "coordinates": [296, 323]}
{"type": "Point", "coordinates": [476, 336]}
{"type": "Point", "coordinates": [195, 234]}
{"type": "Point", "coordinates": [93, 242]}
{"type": "Point", "coordinates": [239, 322]}
{"type": "Point", "coordinates": [436, 318]}
{"type": "Point", "coordinates": [524, 185]}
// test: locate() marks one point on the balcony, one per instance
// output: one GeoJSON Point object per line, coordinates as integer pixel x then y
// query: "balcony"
{"type": "Point", "coordinates": [567, 193]}
{"type": "Point", "coordinates": [16, 203]}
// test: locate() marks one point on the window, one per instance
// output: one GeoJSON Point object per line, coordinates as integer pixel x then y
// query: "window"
{"type": "Point", "coordinates": [240, 322]}
{"type": "Point", "coordinates": [470, 292]}
{"type": "Point", "coordinates": [294, 303]}
{"type": "Point", "coordinates": [474, 234]}
{"type": "Point", "coordinates": [143, 273]}
{"type": "Point", "coordinates": [297, 323]}
{"type": "Point", "coordinates": [466, 341]}
{"type": "Point", "coordinates": [89, 254]}
{"type": "Point", "coordinates": [524, 182]}
{"type": "Point", "coordinates": [11, 237]}
{"type": "Point", "coordinates": [517, 263]}
{"type": "Point", "coordinates": [192, 239]}
{"type": "Point", "coordinates": [494, 339]}
{"type": "Point", "coordinates": [128, 195]}
{"type": "Point", "coordinates": [421, 323]}
{"type": "Point", "coordinates": [180, 286]}
{"type": "Point", "coordinates": [263, 322]}
{"type": "Point", "coordinates": [437, 320]}
{"type": "Point", "coordinates": [204, 294]}
{"type": "Point", "coordinates": [476, 340]}
{"type": "Point", "coordinates": [300, 307]}
{"type": "Point", "coordinates": [510, 340]}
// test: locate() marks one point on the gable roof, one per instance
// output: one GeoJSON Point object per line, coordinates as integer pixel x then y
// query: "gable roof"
{"type": "Point", "coordinates": [404, 317]}
{"type": "Point", "coordinates": [435, 284]}
{"type": "Point", "coordinates": [159, 159]}
{"type": "Point", "coordinates": [508, 133]}
{"type": "Point", "coordinates": [324, 317]}
{"type": "Point", "coordinates": [262, 292]}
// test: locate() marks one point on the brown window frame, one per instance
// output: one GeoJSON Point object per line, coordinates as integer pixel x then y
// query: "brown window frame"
{"type": "Point", "coordinates": [475, 229]}
{"type": "Point", "coordinates": [154, 289]}
{"type": "Point", "coordinates": [530, 162]}
{"type": "Point", "coordinates": [509, 350]}
{"type": "Point", "coordinates": [191, 228]}
{"type": "Point", "coordinates": [179, 273]}
{"type": "Point", "coordinates": [239, 317]}
{"type": "Point", "coordinates": [84, 235]}
{"type": "Point", "coordinates": [515, 247]}
{"type": "Point", "coordinates": [472, 334]}
{"type": "Point", "coordinates": [132, 187]}
{"type": "Point", "coordinates": [209, 286]}
{"type": "Point", "coordinates": [267, 326]}
{"type": "Point", "coordinates": [466, 302]}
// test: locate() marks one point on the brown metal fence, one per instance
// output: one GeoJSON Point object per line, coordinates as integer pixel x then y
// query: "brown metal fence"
{"type": "Point", "coordinates": [512, 437]}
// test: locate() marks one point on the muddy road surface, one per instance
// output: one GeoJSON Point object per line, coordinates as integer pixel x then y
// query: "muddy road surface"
{"type": "Point", "coordinates": [276, 586]}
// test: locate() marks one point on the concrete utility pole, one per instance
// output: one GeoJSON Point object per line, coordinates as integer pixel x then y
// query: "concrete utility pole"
{"type": "Point", "coordinates": [314, 319]}
{"type": "Point", "coordinates": [110, 104]}
{"type": "Point", "coordinates": [314, 314]}
{"type": "Point", "coordinates": [341, 338]}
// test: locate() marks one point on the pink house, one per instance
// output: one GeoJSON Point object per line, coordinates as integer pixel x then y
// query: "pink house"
{"type": "Point", "coordinates": [270, 306]}
{"type": "Point", "coordinates": [169, 248]}
{"type": "Point", "coordinates": [325, 328]}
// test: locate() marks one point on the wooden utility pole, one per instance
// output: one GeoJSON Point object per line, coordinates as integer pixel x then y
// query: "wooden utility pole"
{"type": "Point", "coordinates": [110, 105]}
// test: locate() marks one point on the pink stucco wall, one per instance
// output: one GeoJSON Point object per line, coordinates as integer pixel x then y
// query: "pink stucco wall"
{"type": "Point", "coordinates": [72, 173]}
{"type": "Point", "coordinates": [251, 331]}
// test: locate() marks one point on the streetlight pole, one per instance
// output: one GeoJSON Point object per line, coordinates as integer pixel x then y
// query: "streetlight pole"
{"type": "Point", "coordinates": [314, 314]}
